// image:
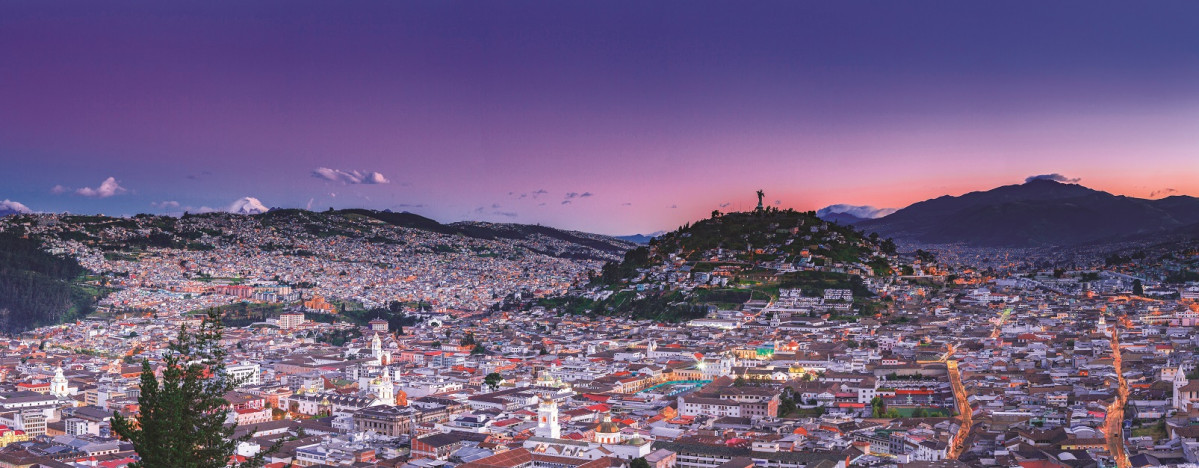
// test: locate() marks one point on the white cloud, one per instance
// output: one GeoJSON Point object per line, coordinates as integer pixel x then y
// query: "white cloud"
{"type": "Point", "coordinates": [165, 204]}
{"type": "Point", "coordinates": [9, 206]}
{"type": "Point", "coordinates": [861, 211]}
{"type": "Point", "coordinates": [350, 177]}
{"type": "Point", "coordinates": [108, 188]}
{"type": "Point", "coordinates": [59, 189]}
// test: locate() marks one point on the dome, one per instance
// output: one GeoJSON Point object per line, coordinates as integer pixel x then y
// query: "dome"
{"type": "Point", "coordinates": [607, 427]}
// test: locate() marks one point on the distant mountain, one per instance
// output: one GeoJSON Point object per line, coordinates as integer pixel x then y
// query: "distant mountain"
{"type": "Point", "coordinates": [574, 244]}
{"type": "Point", "coordinates": [851, 214]}
{"type": "Point", "coordinates": [580, 243]}
{"type": "Point", "coordinates": [9, 207]}
{"type": "Point", "coordinates": [248, 206]}
{"type": "Point", "coordinates": [641, 239]}
{"type": "Point", "coordinates": [1037, 213]}
{"type": "Point", "coordinates": [403, 219]}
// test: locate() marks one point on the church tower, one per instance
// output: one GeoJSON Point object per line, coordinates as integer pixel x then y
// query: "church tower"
{"type": "Point", "coordinates": [385, 389]}
{"type": "Point", "coordinates": [377, 351]}
{"type": "Point", "coordinates": [547, 419]}
{"type": "Point", "coordinates": [58, 386]}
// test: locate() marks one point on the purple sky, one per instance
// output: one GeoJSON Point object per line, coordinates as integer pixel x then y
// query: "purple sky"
{"type": "Point", "coordinates": [651, 113]}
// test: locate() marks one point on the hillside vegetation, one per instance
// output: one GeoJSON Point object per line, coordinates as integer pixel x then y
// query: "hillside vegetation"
{"type": "Point", "coordinates": [38, 288]}
{"type": "Point", "coordinates": [723, 261]}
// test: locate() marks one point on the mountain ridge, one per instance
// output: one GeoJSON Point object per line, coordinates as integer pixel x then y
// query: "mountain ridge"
{"type": "Point", "coordinates": [1038, 213]}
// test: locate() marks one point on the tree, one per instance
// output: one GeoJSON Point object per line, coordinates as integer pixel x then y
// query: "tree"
{"type": "Point", "coordinates": [786, 405]}
{"type": "Point", "coordinates": [1138, 289]}
{"type": "Point", "coordinates": [639, 462]}
{"type": "Point", "coordinates": [181, 416]}
{"type": "Point", "coordinates": [493, 380]}
{"type": "Point", "coordinates": [478, 349]}
{"type": "Point", "coordinates": [888, 247]}
{"type": "Point", "coordinates": [878, 407]}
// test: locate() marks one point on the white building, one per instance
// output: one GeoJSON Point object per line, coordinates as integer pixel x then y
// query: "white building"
{"type": "Point", "coordinates": [244, 374]}
{"type": "Point", "coordinates": [547, 419]}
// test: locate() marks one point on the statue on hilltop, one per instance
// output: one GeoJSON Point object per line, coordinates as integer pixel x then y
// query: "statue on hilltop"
{"type": "Point", "coordinates": [760, 195]}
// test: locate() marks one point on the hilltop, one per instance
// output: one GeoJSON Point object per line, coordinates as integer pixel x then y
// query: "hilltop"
{"type": "Point", "coordinates": [724, 261]}
{"type": "Point", "coordinates": [1038, 213]}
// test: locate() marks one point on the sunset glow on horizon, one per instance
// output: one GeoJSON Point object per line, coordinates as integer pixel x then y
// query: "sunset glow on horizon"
{"type": "Point", "coordinates": [607, 117]}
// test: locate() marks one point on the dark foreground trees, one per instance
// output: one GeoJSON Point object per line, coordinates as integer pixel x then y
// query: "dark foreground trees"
{"type": "Point", "coordinates": [181, 419]}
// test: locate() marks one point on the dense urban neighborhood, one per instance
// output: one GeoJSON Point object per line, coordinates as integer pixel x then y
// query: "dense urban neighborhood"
{"type": "Point", "coordinates": [766, 338]}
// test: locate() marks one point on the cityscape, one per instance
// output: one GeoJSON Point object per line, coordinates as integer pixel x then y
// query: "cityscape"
{"type": "Point", "coordinates": [599, 235]}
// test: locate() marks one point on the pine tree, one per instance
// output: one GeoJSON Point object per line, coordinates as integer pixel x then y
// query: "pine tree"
{"type": "Point", "coordinates": [181, 416]}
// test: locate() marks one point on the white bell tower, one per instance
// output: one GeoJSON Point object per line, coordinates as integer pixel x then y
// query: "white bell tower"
{"type": "Point", "coordinates": [385, 389]}
{"type": "Point", "coordinates": [377, 350]}
{"type": "Point", "coordinates": [547, 419]}
{"type": "Point", "coordinates": [58, 386]}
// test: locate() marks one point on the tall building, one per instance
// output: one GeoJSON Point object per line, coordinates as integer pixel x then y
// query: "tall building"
{"type": "Point", "coordinates": [290, 320]}
{"type": "Point", "coordinates": [58, 386]}
{"type": "Point", "coordinates": [381, 358]}
{"type": "Point", "coordinates": [547, 419]}
{"type": "Point", "coordinates": [384, 388]}
{"type": "Point", "coordinates": [244, 374]}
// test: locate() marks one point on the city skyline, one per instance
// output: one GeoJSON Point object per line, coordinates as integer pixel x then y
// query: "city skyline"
{"type": "Point", "coordinates": [602, 118]}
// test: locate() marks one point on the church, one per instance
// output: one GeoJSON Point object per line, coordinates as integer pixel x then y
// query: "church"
{"type": "Point", "coordinates": [605, 439]}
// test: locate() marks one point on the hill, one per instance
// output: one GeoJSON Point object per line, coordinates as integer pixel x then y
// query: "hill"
{"type": "Point", "coordinates": [721, 262]}
{"type": "Point", "coordinates": [38, 288]}
{"type": "Point", "coordinates": [580, 244]}
{"type": "Point", "coordinates": [362, 259]}
{"type": "Point", "coordinates": [1038, 213]}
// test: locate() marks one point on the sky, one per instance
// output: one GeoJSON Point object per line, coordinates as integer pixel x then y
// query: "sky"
{"type": "Point", "coordinates": [615, 117]}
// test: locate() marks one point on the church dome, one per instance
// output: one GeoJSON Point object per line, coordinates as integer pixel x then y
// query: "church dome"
{"type": "Point", "coordinates": [607, 426]}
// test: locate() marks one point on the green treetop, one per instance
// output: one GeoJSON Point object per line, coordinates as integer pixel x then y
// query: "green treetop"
{"type": "Point", "coordinates": [181, 418]}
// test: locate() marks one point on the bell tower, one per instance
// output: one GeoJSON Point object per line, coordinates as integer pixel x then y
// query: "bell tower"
{"type": "Point", "coordinates": [547, 419]}
{"type": "Point", "coordinates": [58, 386]}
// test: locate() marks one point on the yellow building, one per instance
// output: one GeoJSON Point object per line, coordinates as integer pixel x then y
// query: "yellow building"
{"type": "Point", "coordinates": [9, 435]}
